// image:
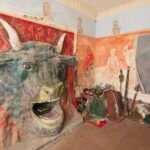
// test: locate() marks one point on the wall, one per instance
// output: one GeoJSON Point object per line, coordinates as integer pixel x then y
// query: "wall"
{"type": "Point", "coordinates": [131, 21]}
{"type": "Point", "coordinates": [135, 19]}
{"type": "Point", "coordinates": [124, 45]}
{"type": "Point", "coordinates": [109, 54]}
{"type": "Point", "coordinates": [114, 53]}
{"type": "Point", "coordinates": [85, 54]}
{"type": "Point", "coordinates": [61, 14]}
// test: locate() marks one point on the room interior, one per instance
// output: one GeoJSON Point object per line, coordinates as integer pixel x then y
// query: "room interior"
{"type": "Point", "coordinates": [74, 75]}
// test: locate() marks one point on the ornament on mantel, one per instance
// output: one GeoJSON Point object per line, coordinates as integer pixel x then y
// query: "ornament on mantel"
{"type": "Point", "coordinates": [116, 27]}
{"type": "Point", "coordinates": [47, 12]}
{"type": "Point", "coordinates": [46, 16]}
{"type": "Point", "coordinates": [79, 25]}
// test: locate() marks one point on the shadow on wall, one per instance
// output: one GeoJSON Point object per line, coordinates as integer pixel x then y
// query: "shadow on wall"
{"type": "Point", "coordinates": [143, 61]}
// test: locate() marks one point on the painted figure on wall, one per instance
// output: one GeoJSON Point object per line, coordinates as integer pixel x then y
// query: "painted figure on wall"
{"type": "Point", "coordinates": [79, 25]}
{"type": "Point", "coordinates": [129, 54]}
{"type": "Point", "coordinates": [47, 13]}
{"type": "Point", "coordinates": [112, 67]}
{"type": "Point", "coordinates": [88, 68]}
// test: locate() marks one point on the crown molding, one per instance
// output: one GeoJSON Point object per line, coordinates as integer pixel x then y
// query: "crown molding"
{"type": "Point", "coordinates": [80, 7]}
{"type": "Point", "coordinates": [122, 7]}
{"type": "Point", "coordinates": [88, 11]}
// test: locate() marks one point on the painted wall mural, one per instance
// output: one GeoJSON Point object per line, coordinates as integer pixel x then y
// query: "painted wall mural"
{"type": "Point", "coordinates": [115, 53]}
{"type": "Point", "coordinates": [86, 58]}
{"type": "Point", "coordinates": [107, 56]}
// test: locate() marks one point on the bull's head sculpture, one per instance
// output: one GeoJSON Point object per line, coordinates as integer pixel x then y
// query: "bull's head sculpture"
{"type": "Point", "coordinates": [31, 78]}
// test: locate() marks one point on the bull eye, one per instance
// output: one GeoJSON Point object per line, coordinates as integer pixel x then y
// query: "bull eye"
{"type": "Point", "coordinates": [27, 66]}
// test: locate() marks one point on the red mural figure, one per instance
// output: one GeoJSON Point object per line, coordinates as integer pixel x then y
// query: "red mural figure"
{"type": "Point", "coordinates": [88, 68]}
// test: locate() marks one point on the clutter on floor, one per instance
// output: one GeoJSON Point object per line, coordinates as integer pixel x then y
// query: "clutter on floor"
{"type": "Point", "coordinates": [101, 103]}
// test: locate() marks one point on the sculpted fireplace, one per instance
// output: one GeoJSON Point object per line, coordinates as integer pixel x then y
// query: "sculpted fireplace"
{"type": "Point", "coordinates": [32, 77]}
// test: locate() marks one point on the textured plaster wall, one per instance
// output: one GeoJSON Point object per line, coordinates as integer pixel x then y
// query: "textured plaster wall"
{"type": "Point", "coordinates": [110, 55]}
{"type": "Point", "coordinates": [84, 43]}
{"type": "Point", "coordinates": [61, 14]}
{"type": "Point", "coordinates": [135, 19]}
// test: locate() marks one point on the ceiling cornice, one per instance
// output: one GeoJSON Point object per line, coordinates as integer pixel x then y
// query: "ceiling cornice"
{"type": "Point", "coordinates": [122, 7]}
{"type": "Point", "coordinates": [80, 7]}
{"type": "Point", "coordinates": [88, 11]}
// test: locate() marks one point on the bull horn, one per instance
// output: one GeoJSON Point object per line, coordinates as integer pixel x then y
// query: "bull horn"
{"type": "Point", "coordinates": [13, 36]}
{"type": "Point", "coordinates": [59, 45]}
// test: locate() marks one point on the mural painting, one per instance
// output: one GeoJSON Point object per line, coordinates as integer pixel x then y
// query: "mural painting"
{"type": "Point", "coordinates": [115, 53]}
{"type": "Point", "coordinates": [86, 58]}
{"type": "Point", "coordinates": [93, 103]}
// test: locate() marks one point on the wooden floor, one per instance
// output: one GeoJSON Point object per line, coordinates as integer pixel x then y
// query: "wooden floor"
{"type": "Point", "coordinates": [126, 135]}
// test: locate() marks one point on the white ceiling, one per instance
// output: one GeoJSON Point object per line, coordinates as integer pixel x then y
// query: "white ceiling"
{"type": "Point", "coordinates": [100, 5]}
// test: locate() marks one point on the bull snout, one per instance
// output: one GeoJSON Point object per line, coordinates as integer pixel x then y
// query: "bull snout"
{"type": "Point", "coordinates": [47, 113]}
{"type": "Point", "coordinates": [50, 93]}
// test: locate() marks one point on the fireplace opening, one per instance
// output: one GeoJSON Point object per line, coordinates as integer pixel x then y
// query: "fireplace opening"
{"type": "Point", "coordinates": [41, 109]}
{"type": "Point", "coordinates": [45, 111]}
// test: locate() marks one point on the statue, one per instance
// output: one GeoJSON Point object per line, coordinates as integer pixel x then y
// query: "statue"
{"type": "Point", "coordinates": [47, 14]}
{"type": "Point", "coordinates": [79, 25]}
{"type": "Point", "coordinates": [116, 27]}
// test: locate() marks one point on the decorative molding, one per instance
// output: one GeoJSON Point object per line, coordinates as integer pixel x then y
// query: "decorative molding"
{"type": "Point", "coordinates": [80, 7]}
{"type": "Point", "coordinates": [88, 11]}
{"type": "Point", "coordinates": [122, 7]}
